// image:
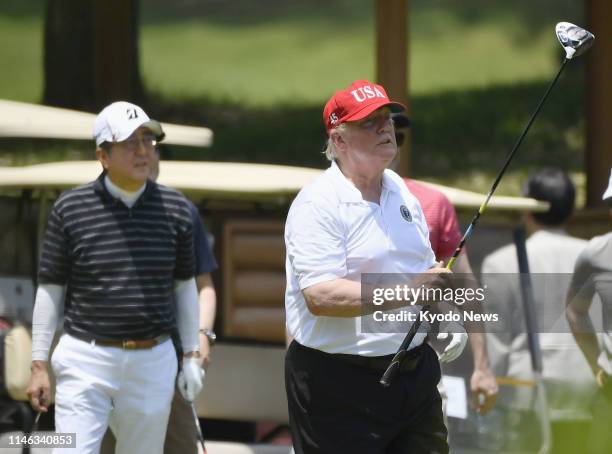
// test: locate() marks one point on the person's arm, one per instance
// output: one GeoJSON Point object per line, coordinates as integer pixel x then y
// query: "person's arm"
{"type": "Point", "coordinates": [53, 274]}
{"type": "Point", "coordinates": [48, 307]}
{"type": "Point", "coordinates": [207, 298]}
{"type": "Point", "coordinates": [577, 313]}
{"type": "Point", "coordinates": [482, 382]}
{"type": "Point", "coordinates": [342, 297]}
{"type": "Point", "coordinates": [336, 298]}
{"type": "Point", "coordinates": [578, 302]}
{"type": "Point", "coordinates": [187, 315]}
{"type": "Point", "coordinates": [205, 263]}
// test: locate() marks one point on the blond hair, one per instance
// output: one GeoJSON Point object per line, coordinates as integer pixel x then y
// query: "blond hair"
{"type": "Point", "coordinates": [330, 148]}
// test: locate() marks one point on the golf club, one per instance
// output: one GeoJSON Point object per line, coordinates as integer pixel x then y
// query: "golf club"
{"type": "Point", "coordinates": [575, 41]}
{"type": "Point", "coordinates": [198, 428]}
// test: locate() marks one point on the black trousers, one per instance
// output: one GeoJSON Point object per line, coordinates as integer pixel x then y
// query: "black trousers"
{"type": "Point", "coordinates": [336, 407]}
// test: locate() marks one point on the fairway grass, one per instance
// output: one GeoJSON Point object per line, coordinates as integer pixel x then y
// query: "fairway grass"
{"type": "Point", "coordinates": [300, 55]}
{"type": "Point", "coordinates": [21, 76]}
{"type": "Point", "coordinates": [303, 62]}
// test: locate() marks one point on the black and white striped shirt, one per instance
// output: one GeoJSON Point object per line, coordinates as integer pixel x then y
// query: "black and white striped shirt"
{"type": "Point", "coordinates": [118, 263]}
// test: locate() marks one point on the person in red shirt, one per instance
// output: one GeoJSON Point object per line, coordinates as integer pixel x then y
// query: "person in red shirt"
{"type": "Point", "coordinates": [444, 236]}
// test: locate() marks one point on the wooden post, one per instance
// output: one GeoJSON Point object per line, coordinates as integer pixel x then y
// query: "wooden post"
{"type": "Point", "coordinates": [598, 157]}
{"type": "Point", "coordinates": [392, 61]}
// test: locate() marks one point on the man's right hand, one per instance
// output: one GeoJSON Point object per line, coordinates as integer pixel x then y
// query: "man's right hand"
{"type": "Point", "coordinates": [442, 276]}
{"type": "Point", "coordinates": [39, 388]}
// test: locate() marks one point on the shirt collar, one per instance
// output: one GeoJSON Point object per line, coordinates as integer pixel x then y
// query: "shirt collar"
{"type": "Point", "coordinates": [347, 190]}
{"type": "Point", "coordinates": [549, 231]}
{"type": "Point", "coordinates": [101, 189]}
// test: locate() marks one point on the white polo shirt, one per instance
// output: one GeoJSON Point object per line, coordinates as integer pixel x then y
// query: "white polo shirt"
{"type": "Point", "coordinates": [331, 233]}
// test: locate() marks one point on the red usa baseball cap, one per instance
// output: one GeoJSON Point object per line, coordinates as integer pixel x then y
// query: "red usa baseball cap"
{"type": "Point", "coordinates": [355, 102]}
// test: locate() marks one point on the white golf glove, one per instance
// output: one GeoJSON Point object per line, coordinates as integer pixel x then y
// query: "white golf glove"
{"type": "Point", "coordinates": [457, 343]}
{"type": "Point", "coordinates": [191, 378]}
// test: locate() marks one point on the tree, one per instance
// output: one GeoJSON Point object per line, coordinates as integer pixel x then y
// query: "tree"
{"type": "Point", "coordinates": [91, 53]}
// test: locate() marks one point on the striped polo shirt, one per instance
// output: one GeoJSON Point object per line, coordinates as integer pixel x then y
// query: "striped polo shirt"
{"type": "Point", "coordinates": [118, 263]}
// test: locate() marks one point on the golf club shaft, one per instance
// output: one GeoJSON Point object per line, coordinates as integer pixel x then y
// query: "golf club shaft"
{"type": "Point", "coordinates": [483, 207]}
{"type": "Point", "coordinates": [198, 427]}
{"type": "Point", "coordinates": [394, 366]}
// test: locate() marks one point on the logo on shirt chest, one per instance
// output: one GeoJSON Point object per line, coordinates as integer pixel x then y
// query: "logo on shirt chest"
{"type": "Point", "coordinates": [405, 212]}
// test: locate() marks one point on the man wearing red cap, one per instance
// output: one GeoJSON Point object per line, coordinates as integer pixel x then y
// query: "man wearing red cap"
{"type": "Point", "coordinates": [355, 219]}
{"type": "Point", "coordinates": [444, 236]}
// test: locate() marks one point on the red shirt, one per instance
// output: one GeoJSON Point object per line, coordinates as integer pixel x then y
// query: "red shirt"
{"type": "Point", "coordinates": [444, 232]}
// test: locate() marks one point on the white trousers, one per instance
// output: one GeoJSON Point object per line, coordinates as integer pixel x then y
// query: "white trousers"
{"type": "Point", "coordinates": [129, 389]}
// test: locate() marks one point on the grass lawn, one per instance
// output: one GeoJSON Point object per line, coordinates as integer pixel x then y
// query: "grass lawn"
{"type": "Point", "coordinates": [298, 59]}
{"type": "Point", "coordinates": [298, 52]}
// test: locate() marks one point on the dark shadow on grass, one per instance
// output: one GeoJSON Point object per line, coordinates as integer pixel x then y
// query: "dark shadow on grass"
{"type": "Point", "coordinates": [453, 132]}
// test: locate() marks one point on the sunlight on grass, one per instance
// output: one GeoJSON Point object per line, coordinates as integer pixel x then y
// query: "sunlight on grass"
{"type": "Point", "coordinates": [257, 65]}
{"type": "Point", "coordinates": [457, 56]}
{"type": "Point", "coordinates": [21, 77]}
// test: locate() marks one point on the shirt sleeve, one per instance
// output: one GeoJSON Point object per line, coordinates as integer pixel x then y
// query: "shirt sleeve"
{"type": "Point", "coordinates": [205, 261]}
{"type": "Point", "coordinates": [582, 284]}
{"type": "Point", "coordinates": [315, 244]}
{"type": "Point", "coordinates": [185, 256]}
{"type": "Point", "coordinates": [54, 266]}
{"type": "Point", "coordinates": [449, 231]}
{"type": "Point", "coordinates": [187, 314]}
{"type": "Point", "coordinates": [500, 300]}
{"type": "Point", "coordinates": [48, 308]}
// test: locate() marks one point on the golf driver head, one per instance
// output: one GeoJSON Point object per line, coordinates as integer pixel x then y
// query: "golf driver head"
{"type": "Point", "coordinates": [575, 40]}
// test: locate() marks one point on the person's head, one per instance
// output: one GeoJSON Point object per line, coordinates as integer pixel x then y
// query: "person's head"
{"type": "Point", "coordinates": [554, 186]}
{"type": "Point", "coordinates": [358, 124]}
{"type": "Point", "coordinates": [401, 122]}
{"type": "Point", "coordinates": [125, 139]}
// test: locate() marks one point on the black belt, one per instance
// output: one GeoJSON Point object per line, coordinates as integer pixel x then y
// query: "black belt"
{"type": "Point", "coordinates": [380, 363]}
{"type": "Point", "coordinates": [126, 344]}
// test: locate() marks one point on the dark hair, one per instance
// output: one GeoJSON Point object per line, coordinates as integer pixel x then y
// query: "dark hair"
{"type": "Point", "coordinates": [400, 122]}
{"type": "Point", "coordinates": [106, 146]}
{"type": "Point", "coordinates": [554, 186]}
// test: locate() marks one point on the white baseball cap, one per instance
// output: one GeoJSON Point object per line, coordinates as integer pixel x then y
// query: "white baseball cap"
{"type": "Point", "coordinates": [608, 193]}
{"type": "Point", "coordinates": [117, 121]}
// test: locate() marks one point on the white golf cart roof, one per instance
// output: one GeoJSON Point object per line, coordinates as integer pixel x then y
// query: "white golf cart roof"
{"type": "Point", "coordinates": [221, 180]}
{"type": "Point", "coordinates": [20, 119]}
{"type": "Point", "coordinates": [225, 180]}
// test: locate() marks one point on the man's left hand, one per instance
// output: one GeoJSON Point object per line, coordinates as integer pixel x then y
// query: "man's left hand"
{"type": "Point", "coordinates": [484, 389]}
{"type": "Point", "coordinates": [190, 379]}
{"type": "Point", "coordinates": [457, 343]}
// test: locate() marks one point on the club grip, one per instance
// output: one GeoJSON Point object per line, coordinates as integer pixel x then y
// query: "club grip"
{"type": "Point", "coordinates": [393, 369]}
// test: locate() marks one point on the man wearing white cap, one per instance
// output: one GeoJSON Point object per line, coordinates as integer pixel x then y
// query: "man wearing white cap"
{"type": "Point", "coordinates": [593, 277]}
{"type": "Point", "coordinates": [117, 254]}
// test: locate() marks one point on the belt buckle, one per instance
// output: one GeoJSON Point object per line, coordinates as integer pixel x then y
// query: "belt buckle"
{"type": "Point", "coordinates": [128, 344]}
